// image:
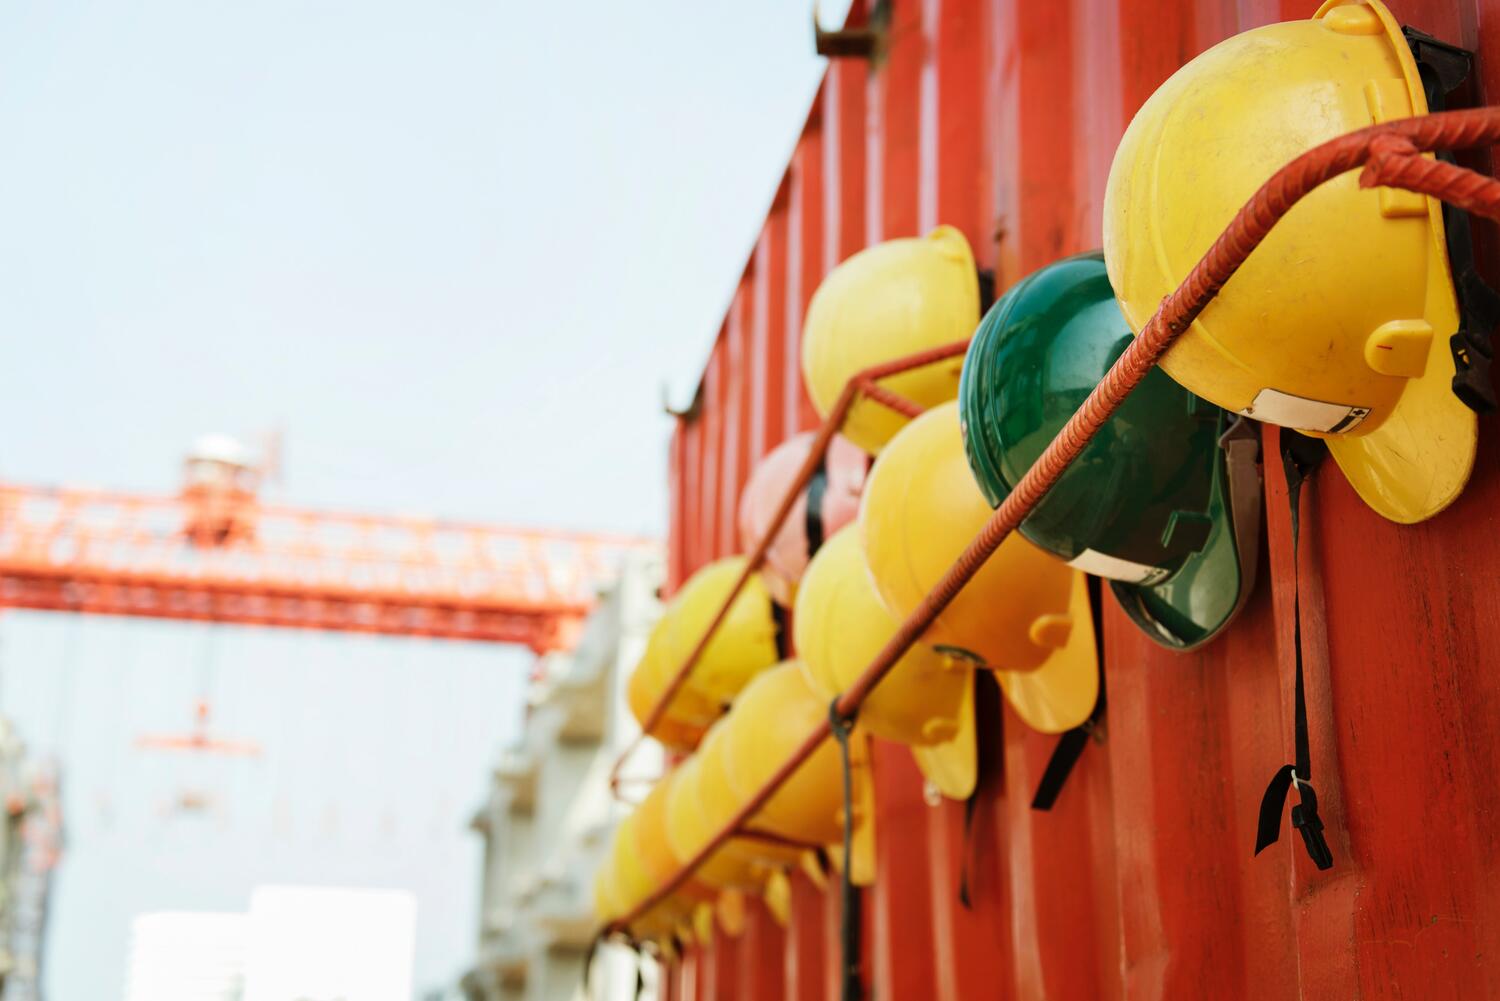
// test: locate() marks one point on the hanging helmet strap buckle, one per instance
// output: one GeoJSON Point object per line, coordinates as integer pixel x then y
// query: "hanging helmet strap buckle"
{"type": "Point", "coordinates": [1306, 820]}
{"type": "Point", "coordinates": [1445, 68]}
{"type": "Point", "coordinates": [1300, 458]}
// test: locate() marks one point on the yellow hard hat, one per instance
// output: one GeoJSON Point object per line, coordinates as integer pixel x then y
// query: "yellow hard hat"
{"type": "Point", "coordinates": [927, 699]}
{"type": "Point", "coordinates": [606, 903]}
{"type": "Point", "coordinates": [744, 644]}
{"type": "Point", "coordinates": [1021, 614]}
{"type": "Point", "coordinates": [888, 301]}
{"type": "Point", "coordinates": [688, 830]}
{"type": "Point", "coordinates": [1338, 324]}
{"type": "Point", "coordinates": [772, 716]}
{"type": "Point", "coordinates": [698, 806]}
{"type": "Point", "coordinates": [632, 884]}
{"type": "Point", "coordinates": [689, 713]}
{"type": "Point", "coordinates": [651, 829]}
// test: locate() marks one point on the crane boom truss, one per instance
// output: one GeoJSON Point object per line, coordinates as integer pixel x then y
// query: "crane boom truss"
{"type": "Point", "coordinates": [115, 553]}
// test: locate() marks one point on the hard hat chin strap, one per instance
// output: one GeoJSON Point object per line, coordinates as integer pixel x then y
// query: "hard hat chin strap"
{"type": "Point", "coordinates": [1241, 445]}
{"type": "Point", "coordinates": [783, 631]}
{"type": "Point", "coordinates": [850, 921]}
{"type": "Point", "coordinates": [1300, 458]}
{"type": "Point", "coordinates": [989, 744]}
{"type": "Point", "coordinates": [1070, 745]}
{"type": "Point", "coordinates": [817, 487]}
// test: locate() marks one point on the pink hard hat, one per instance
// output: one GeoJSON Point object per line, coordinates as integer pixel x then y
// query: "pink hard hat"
{"type": "Point", "coordinates": [834, 493]}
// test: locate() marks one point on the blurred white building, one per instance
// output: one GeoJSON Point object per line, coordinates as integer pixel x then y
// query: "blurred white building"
{"type": "Point", "coordinates": [297, 943]}
{"type": "Point", "coordinates": [549, 813]}
{"type": "Point", "coordinates": [309, 943]}
{"type": "Point", "coordinates": [186, 956]}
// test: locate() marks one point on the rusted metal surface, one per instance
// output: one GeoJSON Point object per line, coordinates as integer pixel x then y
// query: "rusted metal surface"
{"type": "Point", "coordinates": [1001, 118]}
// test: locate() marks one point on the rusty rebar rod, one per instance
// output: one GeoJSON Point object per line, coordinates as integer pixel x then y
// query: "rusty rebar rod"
{"type": "Point", "coordinates": [1387, 151]}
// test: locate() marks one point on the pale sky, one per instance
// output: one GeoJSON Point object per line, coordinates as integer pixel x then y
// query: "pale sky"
{"type": "Point", "coordinates": [453, 249]}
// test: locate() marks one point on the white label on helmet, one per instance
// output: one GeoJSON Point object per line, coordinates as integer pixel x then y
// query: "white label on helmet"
{"type": "Point", "coordinates": [1301, 414]}
{"type": "Point", "coordinates": [1104, 565]}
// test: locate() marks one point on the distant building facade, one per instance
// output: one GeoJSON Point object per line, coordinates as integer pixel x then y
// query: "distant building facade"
{"type": "Point", "coordinates": [295, 943]}
{"type": "Point", "coordinates": [548, 815]}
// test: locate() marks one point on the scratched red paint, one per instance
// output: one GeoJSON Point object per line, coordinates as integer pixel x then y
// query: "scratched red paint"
{"type": "Point", "coordinates": [1140, 883]}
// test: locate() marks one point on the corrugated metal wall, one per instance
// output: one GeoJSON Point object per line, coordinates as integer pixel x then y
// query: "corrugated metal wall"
{"type": "Point", "coordinates": [1001, 117]}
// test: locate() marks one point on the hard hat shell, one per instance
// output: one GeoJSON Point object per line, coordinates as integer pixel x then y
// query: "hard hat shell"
{"type": "Point", "coordinates": [688, 715]}
{"type": "Point", "coordinates": [770, 719]}
{"type": "Point", "coordinates": [1145, 503]}
{"type": "Point", "coordinates": [1338, 323]}
{"type": "Point", "coordinates": [688, 830]}
{"type": "Point", "coordinates": [631, 884]}
{"type": "Point", "coordinates": [888, 301]}
{"type": "Point", "coordinates": [926, 700]}
{"type": "Point", "coordinates": [778, 897]}
{"type": "Point", "coordinates": [653, 846]}
{"type": "Point", "coordinates": [606, 905]}
{"type": "Point", "coordinates": [835, 489]}
{"type": "Point", "coordinates": [743, 645]}
{"type": "Point", "coordinates": [1018, 613]}
{"type": "Point", "coordinates": [699, 806]}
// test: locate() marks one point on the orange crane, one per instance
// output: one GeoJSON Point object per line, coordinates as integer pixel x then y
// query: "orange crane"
{"type": "Point", "coordinates": [216, 552]}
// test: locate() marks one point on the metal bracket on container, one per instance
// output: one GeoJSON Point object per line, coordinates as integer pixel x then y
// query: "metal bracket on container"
{"type": "Point", "coordinates": [688, 413]}
{"type": "Point", "coordinates": [863, 42]}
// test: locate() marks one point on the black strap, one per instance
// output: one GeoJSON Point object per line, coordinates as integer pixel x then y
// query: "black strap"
{"type": "Point", "coordinates": [989, 751]}
{"type": "Point", "coordinates": [1071, 744]}
{"type": "Point", "coordinates": [1064, 756]}
{"type": "Point", "coordinates": [1444, 69]}
{"type": "Point", "coordinates": [588, 962]}
{"type": "Point", "coordinates": [813, 520]}
{"type": "Point", "coordinates": [850, 921]}
{"type": "Point", "coordinates": [1478, 316]}
{"type": "Point", "coordinates": [986, 290]}
{"type": "Point", "coordinates": [970, 805]}
{"type": "Point", "coordinates": [1300, 457]}
{"type": "Point", "coordinates": [779, 619]}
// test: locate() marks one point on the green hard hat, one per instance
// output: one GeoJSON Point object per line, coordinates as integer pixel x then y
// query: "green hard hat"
{"type": "Point", "coordinates": [1164, 501]}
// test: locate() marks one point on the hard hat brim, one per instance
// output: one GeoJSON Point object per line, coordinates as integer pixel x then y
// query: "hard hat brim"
{"type": "Point", "coordinates": [1419, 459]}
{"type": "Point", "coordinates": [1060, 694]}
{"type": "Point", "coordinates": [953, 766]}
{"type": "Point", "coordinates": [1197, 602]}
